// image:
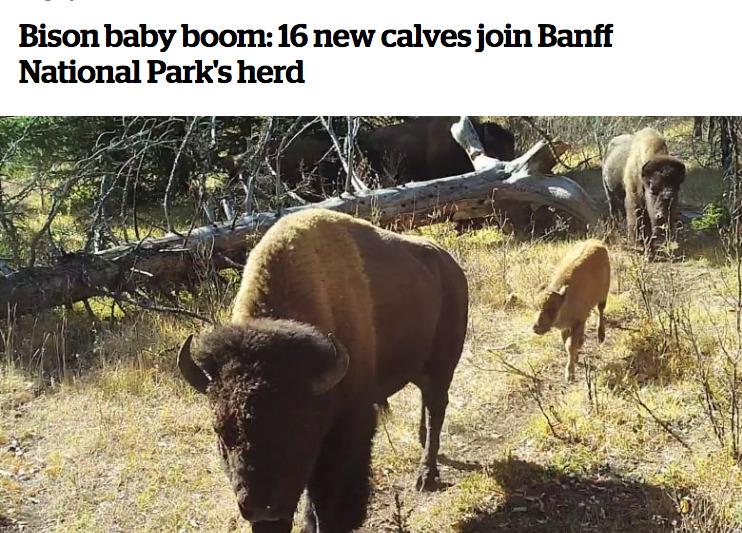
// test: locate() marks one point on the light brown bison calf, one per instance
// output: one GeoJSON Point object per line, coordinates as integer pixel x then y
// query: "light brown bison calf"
{"type": "Point", "coordinates": [579, 283]}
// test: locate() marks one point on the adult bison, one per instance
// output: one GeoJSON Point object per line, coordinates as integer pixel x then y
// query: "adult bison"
{"type": "Point", "coordinates": [423, 148]}
{"type": "Point", "coordinates": [333, 316]}
{"type": "Point", "coordinates": [309, 160]}
{"type": "Point", "coordinates": [418, 149]}
{"type": "Point", "coordinates": [639, 170]}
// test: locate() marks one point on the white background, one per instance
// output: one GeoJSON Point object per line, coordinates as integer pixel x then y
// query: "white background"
{"type": "Point", "coordinates": [668, 58]}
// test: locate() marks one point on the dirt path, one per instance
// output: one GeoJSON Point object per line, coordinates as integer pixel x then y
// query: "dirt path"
{"type": "Point", "coordinates": [490, 454]}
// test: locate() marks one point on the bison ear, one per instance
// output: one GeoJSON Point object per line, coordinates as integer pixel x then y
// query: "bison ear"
{"type": "Point", "coordinates": [646, 173]}
{"type": "Point", "coordinates": [682, 171]}
{"type": "Point", "coordinates": [337, 369]}
{"type": "Point", "coordinates": [193, 374]}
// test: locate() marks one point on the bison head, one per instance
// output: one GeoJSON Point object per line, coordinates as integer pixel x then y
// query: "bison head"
{"type": "Point", "coordinates": [661, 179]}
{"type": "Point", "coordinates": [269, 383]}
{"type": "Point", "coordinates": [497, 141]}
{"type": "Point", "coordinates": [549, 304]}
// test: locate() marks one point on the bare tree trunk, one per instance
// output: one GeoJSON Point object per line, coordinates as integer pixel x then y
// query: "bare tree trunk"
{"type": "Point", "coordinates": [698, 128]}
{"type": "Point", "coordinates": [172, 261]}
{"type": "Point", "coordinates": [728, 141]}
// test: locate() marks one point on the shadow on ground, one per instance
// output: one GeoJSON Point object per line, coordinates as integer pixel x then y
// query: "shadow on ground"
{"type": "Point", "coordinates": [540, 500]}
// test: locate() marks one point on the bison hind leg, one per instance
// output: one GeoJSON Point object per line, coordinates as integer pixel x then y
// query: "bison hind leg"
{"type": "Point", "coordinates": [601, 321]}
{"type": "Point", "coordinates": [422, 431]}
{"type": "Point", "coordinates": [616, 209]}
{"type": "Point", "coordinates": [432, 414]}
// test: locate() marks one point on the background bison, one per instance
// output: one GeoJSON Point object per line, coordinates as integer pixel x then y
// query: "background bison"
{"type": "Point", "coordinates": [418, 149]}
{"type": "Point", "coordinates": [423, 148]}
{"type": "Point", "coordinates": [333, 316]}
{"type": "Point", "coordinates": [639, 170]}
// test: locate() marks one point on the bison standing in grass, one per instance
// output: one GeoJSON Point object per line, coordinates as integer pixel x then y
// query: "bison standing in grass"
{"type": "Point", "coordinates": [579, 283]}
{"type": "Point", "coordinates": [639, 173]}
{"type": "Point", "coordinates": [333, 316]}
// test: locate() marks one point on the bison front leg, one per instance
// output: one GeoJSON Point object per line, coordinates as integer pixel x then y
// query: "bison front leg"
{"type": "Point", "coordinates": [339, 487]}
{"type": "Point", "coordinates": [633, 220]}
{"type": "Point", "coordinates": [648, 235]}
{"type": "Point", "coordinates": [434, 412]}
{"type": "Point", "coordinates": [573, 339]}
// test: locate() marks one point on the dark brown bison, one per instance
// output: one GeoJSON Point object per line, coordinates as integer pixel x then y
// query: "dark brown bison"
{"type": "Point", "coordinates": [310, 160]}
{"type": "Point", "coordinates": [423, 148]}
{"type": "Point", "coordinates": [333, 316]}
{"type": "Point", "coordinates": [641, 171]}
{"type": "Point", "coordinates": [418, 149]}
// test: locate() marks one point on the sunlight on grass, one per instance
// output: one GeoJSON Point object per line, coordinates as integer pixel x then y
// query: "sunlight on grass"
{"type": "Point", "coordinates": [121, 443]}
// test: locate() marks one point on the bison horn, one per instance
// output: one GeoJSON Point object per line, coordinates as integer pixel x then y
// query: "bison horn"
{"type": "Point", "coordinates": [332, 376]}
{"type": "Point", "coordinates": [192, 373]}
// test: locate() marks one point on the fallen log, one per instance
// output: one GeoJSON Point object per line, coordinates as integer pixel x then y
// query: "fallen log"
{"type": "Point", "coordinates": [172, 261]}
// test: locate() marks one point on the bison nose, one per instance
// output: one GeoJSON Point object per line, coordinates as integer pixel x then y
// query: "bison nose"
{"type": "Point", "coordinates": [254, 511]}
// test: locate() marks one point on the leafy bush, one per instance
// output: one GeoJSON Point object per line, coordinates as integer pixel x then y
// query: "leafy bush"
{"type": "Point", "coordinates": [715, 216]}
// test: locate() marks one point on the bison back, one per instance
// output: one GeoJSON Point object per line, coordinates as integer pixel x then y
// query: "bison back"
{"type": "Point", "coordinates": [645, 145]}
{"type": "Point", "coordinates": [586, 272]}
{"type": "Point", "coordinates": [423, 148]}
{"type": "Point", "coordinates": [383, 295]}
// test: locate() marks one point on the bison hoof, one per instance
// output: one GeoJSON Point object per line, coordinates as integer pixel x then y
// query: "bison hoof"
{"type": "Point", "coordinates": [427, 480]}
{"type": "Point", "coordinates": [601, 335]}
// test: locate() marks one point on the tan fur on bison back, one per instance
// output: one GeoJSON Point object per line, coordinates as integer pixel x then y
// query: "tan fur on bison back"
{"type": "Point", "coordinates": [586, 272]}
{"type": "Point", "coordinates": [308, 268]}
{"type": "Point", "coordinates": [645, 145]}
{"type": "Point", "coordinates": [390, 299]}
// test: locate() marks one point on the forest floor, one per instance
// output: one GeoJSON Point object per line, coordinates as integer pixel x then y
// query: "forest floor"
{"type": "Point", "coordinates": [99, 433]}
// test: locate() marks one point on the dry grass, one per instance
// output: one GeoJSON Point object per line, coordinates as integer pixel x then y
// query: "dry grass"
{"type": "Point", "coordinates": [112, 440]}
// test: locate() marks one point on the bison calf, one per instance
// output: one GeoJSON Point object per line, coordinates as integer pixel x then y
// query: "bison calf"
{"type": "Point", "coordinates": [579, 283]}
{"type": "Point", "coordinates": [332, 317]}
